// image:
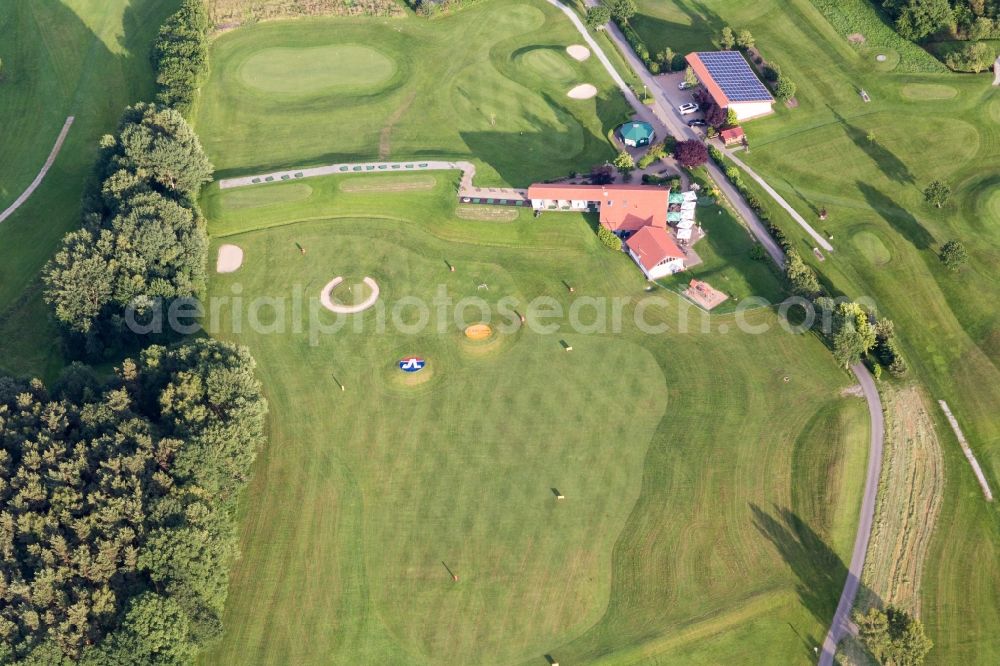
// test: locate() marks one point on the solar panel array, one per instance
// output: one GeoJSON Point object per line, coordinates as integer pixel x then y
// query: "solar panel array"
{"type": "Point", "coordinates": [733, 74]}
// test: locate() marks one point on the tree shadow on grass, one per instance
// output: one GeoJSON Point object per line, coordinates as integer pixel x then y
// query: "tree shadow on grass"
{"type": "Point", "coordinates": [898, 217]}
{"type": "Point", "coordinates": [886, 160]}
{"type": "Point", "coordinates": [820, 571]}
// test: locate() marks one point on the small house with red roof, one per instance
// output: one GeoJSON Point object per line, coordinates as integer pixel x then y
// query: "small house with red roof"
{"type": "Point", "coordinates": [656, 252]}
{"type": "Point", "coordinates": [732, 135]}
{"type": "Point", "coordinates": [728, 78]}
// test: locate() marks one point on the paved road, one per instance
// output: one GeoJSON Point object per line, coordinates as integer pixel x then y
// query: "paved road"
{"type": "Point", "coordinates": [41, 174]}
{"type": "Point", "coordinates": [842, 617]}
{"type": "Point", "coordinates": [841, 624]}
{"type": "Point", "coordinates": [665, 120]}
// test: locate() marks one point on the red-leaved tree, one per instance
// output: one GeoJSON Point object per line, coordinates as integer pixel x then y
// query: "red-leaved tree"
{"type": "Point", "coordinates": [691, 154]}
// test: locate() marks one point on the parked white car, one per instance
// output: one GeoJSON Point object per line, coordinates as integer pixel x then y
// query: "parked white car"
{"type": "Point", "coordinates": [684, 85]}
{"type": "Point", "coordinates": [687, 109]}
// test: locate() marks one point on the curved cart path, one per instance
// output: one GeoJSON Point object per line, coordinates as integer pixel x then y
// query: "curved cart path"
{"type": "Point", "coordinates": [841, 624]}
{"type": "Point", "coordinates": [41, 174]}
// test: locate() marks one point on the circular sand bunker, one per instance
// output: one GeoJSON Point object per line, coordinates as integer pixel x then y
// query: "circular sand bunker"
{"type": "Point", "coordinates": [578, 52]}
{"type": "Point", "coordinates": [327, 301]}
{"type": "Point", "coordinates": [584, 91]}
{"type": "Point", "coordinates": [230, 259]}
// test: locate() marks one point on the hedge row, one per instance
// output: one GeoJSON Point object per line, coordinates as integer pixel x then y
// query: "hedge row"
{"type": "Point", "coordinates": [180, 55]}
{"type": "Point", "coordinates": [734, 176]}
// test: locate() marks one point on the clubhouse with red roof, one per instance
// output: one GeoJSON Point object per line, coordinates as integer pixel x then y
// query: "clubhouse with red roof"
{"type": "Point", "coordinates": [635, 213]}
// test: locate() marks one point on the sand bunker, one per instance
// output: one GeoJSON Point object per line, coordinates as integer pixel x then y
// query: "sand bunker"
{"type": "Point", "coordinates": [584, 91]}
{"type": "Point", "coordinates": [578, 52]}
{"type": "Point", "coordinates": [478, 332]}
{"type": "Point", "coordinates": [230, 259]}
{"type": "Point", "coordinates": [324, 297]}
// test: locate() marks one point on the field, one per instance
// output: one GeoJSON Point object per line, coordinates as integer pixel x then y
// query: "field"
{"type": "Point", "coordinates": [926, 126]}
{"type": "Point", "coordinates": [75, 57]}
{"type": "Point", "coordinates": [680, 511]}
{"type": "Point", "coordinates": [488, 84]}
{"type": "Point", "coordinates": [711, 477]}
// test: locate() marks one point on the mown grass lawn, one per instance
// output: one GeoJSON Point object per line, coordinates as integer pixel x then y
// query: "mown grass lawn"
{"type": "Point", "coordinates": [487, 84]}
{"type": "Point", "coordinates": [703, 491]}
{"type": "Point", "coordinates": [926, 127]}
{"type": "Point", "coordinates": [75, 57]}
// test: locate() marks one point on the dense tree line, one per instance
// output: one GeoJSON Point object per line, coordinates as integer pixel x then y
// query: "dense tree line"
{"type": "Point", "coordinates": [143, 238]}
{"type": "Point", "coordinates": [180, 55]}
{"type": "Point", "coordinates": [966, 19]}
{"type": "Point", "coordinates": [116, 527]}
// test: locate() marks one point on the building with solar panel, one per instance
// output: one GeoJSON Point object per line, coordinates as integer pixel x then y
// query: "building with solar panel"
{"type": "Point", "coordinates": [731, 82]}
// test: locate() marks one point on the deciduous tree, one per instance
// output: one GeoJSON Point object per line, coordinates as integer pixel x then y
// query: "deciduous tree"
{"type": "Point", "coordinates": [691, 154]}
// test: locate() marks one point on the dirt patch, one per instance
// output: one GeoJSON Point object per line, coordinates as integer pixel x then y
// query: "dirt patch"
{"type": "Point", "coordinates": [856, 38]}
{"type": "Point", "coordinates": [230, 259]}
{"type": "Point", "coordinates": [583, 91]}
{"type": "Point", "coordinates": [853, 392]}
{"type": "Point", "coordinates": [486, 213]}
{"type": "Point", "coordinates": [385, 136]}
{"type": "Point", "coordinates": [388, 184]}
{"type": "Point", "coordinates": [909, 499]}
{"type": "Point", "coordinates": [705, 295]}
{"type": "Point", "coordinates": [578, 52]}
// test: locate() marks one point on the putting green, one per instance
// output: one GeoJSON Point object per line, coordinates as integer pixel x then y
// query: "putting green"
{"type": "Point", "coordinates": [317, 69]}
{"type": "Point", "coordinates": [928, 92]}
{"type": "Point", "coordinates": [872, 247]}
{"type": "Point", "coordinates": [264, 195]}
{"type": "Point", "coordinates": [549, 63]}
{"type": "Point", "coordinates": [993, 204]}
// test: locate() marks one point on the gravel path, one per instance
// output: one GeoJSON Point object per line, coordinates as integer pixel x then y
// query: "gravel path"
{"type": "Point", "coordinates": [41, 174]}
{"type": "Point", "coordinates": [967, 450]}
{"type": "Point", "coordinates": [841, 624]}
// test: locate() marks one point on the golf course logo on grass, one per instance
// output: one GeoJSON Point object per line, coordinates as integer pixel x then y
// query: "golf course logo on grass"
{"type": "Point", "coordinates": [412, 364]}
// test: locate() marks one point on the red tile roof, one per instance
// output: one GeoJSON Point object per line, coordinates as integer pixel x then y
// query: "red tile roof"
{"type": "Point", "coordinates": [706, 80]}
{"type": "Point", "coordinates": [732, 134]}
{"type": "Point", "coordinates": [623, 207]}
{"type": "Point", "coordinates": [652, 245]}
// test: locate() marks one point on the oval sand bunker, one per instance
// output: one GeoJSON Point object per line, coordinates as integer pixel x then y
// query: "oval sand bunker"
{"type": "Point", "coordinates": [584, 91]}
{"type": "Point", "coordinates": [230, 259]}
{"type": "Point", "coordinates": [578, 52]}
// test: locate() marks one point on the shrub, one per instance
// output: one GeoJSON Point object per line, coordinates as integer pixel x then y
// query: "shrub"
{"type": "Point", "coordinates": [973, 58]}
{"type": "Point", "coordinates": [690, 154]}
{"type": "Point", "coordinates": [785, 90]}
{"type": "Point", "coordinates": [757, 252]}
{"type": "Point", "coordinates": [772, 71]}
{"type": "Point", "coordinates": [954, 255]}
{"type": "Point", "coordinates": [608, 238]}
{"type": "Point", "coordinates": [598, 16]}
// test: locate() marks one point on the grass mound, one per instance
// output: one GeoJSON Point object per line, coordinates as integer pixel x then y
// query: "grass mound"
{"type": "Point", "coordinates": [350, 292]}
{"type": "Point", "coordinates": [388, 184]}
{"type": "Point", "coordinates": [313, 70]}
{"type": "Point", "coordinates": [265, 195]}
{"type": "Point", "coordinates": [872, 247]}
{"type": "Point", "coordinates": [928, 92]}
